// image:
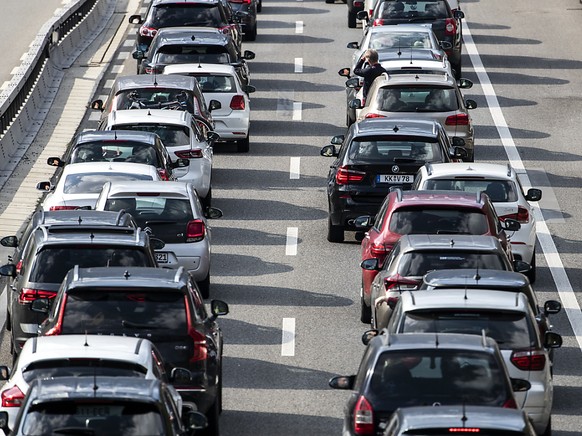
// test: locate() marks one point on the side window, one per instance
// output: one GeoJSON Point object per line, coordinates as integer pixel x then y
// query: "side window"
{"type": "Point", "coordinates": [381, 214]}
{"type": "Point", "coordinates": [394, 321]}
{"type": "Point", "coordinates": [393, 254]}
{"type": "Point", "coordinates": [363, 369]}
{"type": "Point", "coordinates": [26, 256]}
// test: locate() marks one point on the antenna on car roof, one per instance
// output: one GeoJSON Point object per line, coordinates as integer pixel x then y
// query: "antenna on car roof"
{"type": "Point", "coordinates": [127, 275]}
{"type": "Point", "coordinates": [483, 338]}
{"type": "Point", "coordinates": [86, 344]}
{"type": "Point", "coordinates": [452, 243]}
{"type": "Point", "coordinates": [399, 51]}
{"type": "Point", "coordinates": [92, 236]}
{"type": "Point", "coordinates": [95, 387]}
{"type": "Point", "coordinates": [464, 417]}
{"type": "Point", "coordinates": [115, 134]}
{"type": "Point", "coordinates": [80, 220]}
{"type": "Point", "coordinates": [436, 339]}
{"type": "Point", "coordinates": [411, 48]}
{"type": "Point", "coordinates": [477, 277]}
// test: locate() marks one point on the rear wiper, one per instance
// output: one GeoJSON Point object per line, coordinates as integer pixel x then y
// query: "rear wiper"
{"type": "Point", "coordinates": [75, 430]}
{"type": "Point", "coordinates": [136, 325]}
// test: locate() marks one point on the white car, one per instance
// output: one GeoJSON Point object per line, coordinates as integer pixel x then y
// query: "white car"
{"type": "Point", "coordinates": [80, 355]}
{"type": "Point", "coordinates": [503, 186]}
{"type": "Point", "coordinates": [221, 82]}
{"type": "Point", "coordinates": [169, 211]}
{"type": "Point", "coordinates": [80, 184]}
{"type": "Point", "coordinates": [506, 317]}
{"type": "Point", "coordinates": [182, 137]}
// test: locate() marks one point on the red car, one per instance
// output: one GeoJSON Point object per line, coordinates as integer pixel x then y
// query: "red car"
{"type": "Point", "coordinates": [424, 212]}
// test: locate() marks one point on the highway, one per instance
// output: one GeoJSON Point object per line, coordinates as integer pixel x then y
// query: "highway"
{"type": "Point", "coordinates": [294, 297]}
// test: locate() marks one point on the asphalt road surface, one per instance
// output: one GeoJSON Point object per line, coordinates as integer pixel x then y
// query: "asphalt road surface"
{"type": "Point", "coordinates": [294, 297]}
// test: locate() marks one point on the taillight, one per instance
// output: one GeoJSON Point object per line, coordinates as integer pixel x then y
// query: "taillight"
{"type": "Point", "coordinates": [148, 31]}
{"type": "Point", "coordinates": [363, 417]}
{"type": "Point", "coordinates": [28, 295]}
{"type": "Point", "coordinates": [225, 30]}
{"type": "Point", "coordinates": [58, 327]}
{"type": "Point", "coordinates": [380, 250]}
{"type": "Point", "coordinates": [370, 12]}
{"type": "Point", "coordinates": [510, 404]}
{"type": "Point", "coordinates": [12, 397]}
{"type": "Point", "coordinates": [237, 103]}
{"type": "Point", "coordinates": [163, 174]}
{"type": "Point", "coordinates": [189, 154]}
{"type": "Point", "coordinates": [457, 120]}
{"type": "Point", "coordinates": [378, 22]}
{"type": "Point", "coordinates": [195, 231]}
{"type": "Point", "coordinates": [398, 281]}
{"type": "Point", "coordinates": [19, 266]}
{"type": "Point", "coordinates": [522, 215]}
{"type": "Point", "coordinates": [155, 69]}
{"type": "Point", "coordinates": [345, 175]}
{"type": "Point", "coordinates": [373, 115]}
{"type": "Point", "coordinates": [200, 348]}
{"type": "Point", "coordinates": [530, 360]}
{"type": "Point", "coordinates": [196, 108]}
{"type": "Point", "coordinates": [450, 26]}
{"type": "Point", "coordinates": [358, 4]}
{"type": "Point", "coordinates": [53, 208]}
{"type": "Point", "coordinates": [464, 430]}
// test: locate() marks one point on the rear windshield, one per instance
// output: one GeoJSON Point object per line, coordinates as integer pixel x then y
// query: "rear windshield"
{"type": "Point", "coordinates": [189, 54]}
{"type": "Point", "coordinates": [420, 377]}
{"type": "Point", "coordinates": [52, 263]}
{"type": "Point", "coordinates": [420, 262]}
{"type": "Point", "coordinates": [421, 9]}
{"type": "Point", "coordinates": [400, 40]}
{"type": "Point", "coordinates": [92, 183]}
{"type": "Point", "coordinates": [127, 312]}
{"type": "Point", "coordinates": [378, 150]}
{"type": "Point", "coordinates": [171, 134]}
{"type": "Point", "coordinates": [406, 221]}
{"type": "Point", "coordinates": [417, 99]}
{"type": "Point", "coordinates": [81, 367]}
{"type": "Point", "coordinates": [216, 82]}
{"type": "Point", "coordinates": [511, 330]}
{"type": "Point", "coordinates": [99, 415]}
{"type": "Point", "coordinates": [167, 218]}
{"type": "Point", "coordinates": [193, 14]}
{"type": "Point", "coordinates": [116, 151]}
{"type": "Point", "coordinates": [502, 191]}
{"type": "Point", "coordinates": [155, 98]}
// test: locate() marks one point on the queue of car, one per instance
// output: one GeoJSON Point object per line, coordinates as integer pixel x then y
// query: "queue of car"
{"type": "Point", "coordinates": [106, 314]}
{"type": "Point", "coordinates": [447, 243]}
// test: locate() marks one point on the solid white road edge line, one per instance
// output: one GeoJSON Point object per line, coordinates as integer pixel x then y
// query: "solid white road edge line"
{"type": "Point", "coordinates": [294, 168]}
{"type": "Point", "coordinates": [288, 337]}
{"type": "Point", "coordinates": [297, 108]}
{"type": "Point", "coordinates": [563, 285]}
{"type": "Point", "coordinates": [298, 26]}
{"type": "Point", "coordinates": [291, 244]}
{"type": "Point", "coordinates": [298, 65]}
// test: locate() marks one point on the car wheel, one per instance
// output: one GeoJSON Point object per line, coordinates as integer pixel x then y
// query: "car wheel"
{"type": "Point", "coordinates": [212, 417]}
{"type": "Point", "coordinates": [456, 70]}
{"type": "Point", "coordinates": [548, 430]}
{"type": "Point", "coordinates": [204, 286]}
{"type": "Point", "coordinates": [260, 6]}
{"type": "Point", "coordinates": [243, 145]}
{"type": "Point", "coordinates": [251, 35]}
{"type": "Point", "coordinates": [365, 311]}
{"type": "Point", "coordinates": [531, 274]}
{"type": "Point", "coordinates": [334, 233]}
{"type": "Point", "coordinates": [206, 202]}
{"type": "Point", "coordinates": [8, 321]}
{"type": "Point", "coordinates": [352, 19]}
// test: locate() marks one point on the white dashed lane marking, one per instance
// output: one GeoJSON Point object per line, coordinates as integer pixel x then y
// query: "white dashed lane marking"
{"type": "Point", "coordinates": [298, 26]}
{"type": "Point", "coordinates": [291, 243]}
{"type": "Point", "coordinates": [288, 337]}
{"type": "Point", "coordinates": [298, 65]}
{"type": "Point", "coordinates": [294, 168]}
{"type": "Point", "coordinates": [297, 109]}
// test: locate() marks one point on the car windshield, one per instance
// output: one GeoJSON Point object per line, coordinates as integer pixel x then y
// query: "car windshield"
{"type": "Point", "coordinates": [124, 311]}
{"type": "Point", "coordinates": [92, 183]}
{"type": "Point", "coordinates": [94, 416]}
{"type": "Point", "coordinates": [510, 330]}
{"type": "Point", "coordinates": [501, 191]}
{"type": "Point", "coordinates": [420, 262]}
{"type": "Point", "coordinates": [189, 54]}
{"type": "Point", "coordinates": [53, 262]}
{"type": "Point", "coordinates": [115, 151]}
{"type": "Point", "coordinates": [155, 98]}
{"type": "Point", "coordinates": [216, 82]}
{"type": "Point", "coordinates": [378, 150]}
{"type": "Point", "coordinates": [81, 367]}
{"type": "Point", "coordinates": [419, 9]}
{"type": "Point", "coordinates": [406, 221]}
{"type": "Point", "coordinates": [400, 40]}
{"type": "Point", "coordinates": [417, 99]}
{"type": "Point", "coordinates": [189, 14]}
{"type": "Point", "coordinates": [171, 134]}
{"type": "Point", "coordinates": [416, 377]}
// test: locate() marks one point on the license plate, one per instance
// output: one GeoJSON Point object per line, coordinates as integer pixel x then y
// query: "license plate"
{"type": "Point", "coordinates": [162, 257]}
{"type": "Point", "coordinates": [393, 178]}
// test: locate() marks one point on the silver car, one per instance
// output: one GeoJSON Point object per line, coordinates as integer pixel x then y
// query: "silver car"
{"type": "Point", "coordinates": [170, 211]}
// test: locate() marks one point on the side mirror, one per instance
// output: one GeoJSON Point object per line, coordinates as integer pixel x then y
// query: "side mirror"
{"type": "Point", "coordinates": [55, 162]}
{"type": "Point", "coordinates": [9, 241]}
{"type": "Point", "coordinates": [459, 152]}
{"type": "Point", "coordinates": [136, 19]}
{"type": "Point", "coordinates": [353, 45]}
{"type": "Point", "coordinates": [369, 335]}
{"type": "Point", "coordinates": [370, 265]}
{"type": "Point", "coordinates": [248, 55]}
{"type": "Point", "coordinates": [338, 139]}
{"type": "Point", "coordinates": [249, 89]}
{"type": "Point", "coordinates": [212, 136]}
{"type": "Point", "coordinates": [345, 72]}
{"type": "Point", "coordinates": [458, 14]}
{"type": "Point", "coordinates": [551, 307]}
{"type": "Point", "coordinates": [511, 225]}
{"type": "Point", "coordinates": [464, 83]}
{"type": "Point", "coordinates": [445, 45]}
{"type": "Point", "coordinates": [218, 308]}
{"type": "Point", "coordinates": [4, 422]}
{"type": "Point", "coordinates": [138, 55]}
{"type": "Point", "coordinates": [533, 194]}
{"type": "Point", "coordinates": [180, 375]}
{"type": "Point", "coordinates": [353, 83]}
{"type": "Point", "coordinates": [157, 244]}
{"type": "Point", "coordinates": [44, 186]}
{"type": "Point", "coordinates": [213, 213]}
{"type": "Point", "coordinates": [470, 104]}
{"type": "Point", "coordinates": [8, 270]}
{"type": "Point", "coordinates": [520, 385]}
{"type": "Point", "coordinates": [362, 15]}
{"type": "Point", "coordinates": [355, 104]}
{"type": "Point", "coordinates": [342, 382]}
{"type": "Point", "coordinates": [328, 151]}
{"type": "Point", "coordinates": [4, 372]}
{"type": "Point", "coordinates": [363, 222]}
{"type": "Point", "coordinates": [521, 266]}
{"type": "Point", "coordinates": [181, 163]}
{"type": "Point", "coordinates": [97, 105]}
{"type": "Point", "coordinates": [40, 305]}
{"type": "Point", "coordinates": [458, 142]}
{"type": "Point", "coordinates": [552, 340]}
{"type": "Point", "coordinates": [194, 420]}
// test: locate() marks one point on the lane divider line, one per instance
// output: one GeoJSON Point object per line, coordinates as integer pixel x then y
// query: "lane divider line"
{"type": "Point", "coordinates": [298, 65]}
{"type": "Point", "coordinates": [297, 108]}
{"type": "Point", "coordinates": [288, 337]}
{"type": "Point", "coordinates": [555, 265]}
{"type": "Point", "coordinates": [298, 26]}
{"type": "Point", "coordinates": [294, 168]}
{"type": "Point", "coordinates": [291, 243]}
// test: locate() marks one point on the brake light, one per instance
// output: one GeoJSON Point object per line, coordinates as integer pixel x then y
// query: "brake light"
{"type": "Point", "coordinates": [378, 22]}
{"type": "Point", "coordinates": [345, 175]}
{"type": "Point", "coordinates": [12, 397]}
{"type": "Point", "coordinates": [363, 417]}
{"type": "Point", "coordinates": [510, 404]}
{"type": "Point", "coordinates": [196, 106]}
{"type": "Point", "coordinates": [450, 26]}
{"type": "Point", "coordinates": [370, 12]}
{"type": "Point", "coordinates": [247, 2]}
{"type": "Point", "coordinates": [28, 295]}
{"type": "Point", "coordinates": [225, 30]}
{"type": "Point", "coordinates": [457, 120]}
{"type": "Point", "coordinates": [53, 208]}
{"type": "Point", "coordinates": [373, 115]}
{"type": "Point", "coordinates": [398, 281]}
{"type": "Point", "coordinates": [358, 4]}
{"type": "Point", "coordinates": [189, 154]}
{"type": "Point", "coordinates": [155, 69]}
{"type": "Point", "coordinates": [380, 250]}
{"type": "Point", "coordinates": [522, 215]}
{"type": "Point", "coordinates": [56, 330]}
{"type": "Point", "coordinates": [163, 174]}
{"type": "Point", "coordinates": [237, 103]}
{"type": "Point", "coordinates": [200, 348]}
{"type": "Point", "coordinates": [530, 360]}
{"type": "Point", "coordinates": [464, 430]}
{"type": "Point", "coordinates": [195, 231]}
{"type": "Point", "coordinates": [148, 31]}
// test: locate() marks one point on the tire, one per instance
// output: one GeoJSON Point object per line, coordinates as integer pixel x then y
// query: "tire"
{"type": "Point", "coordinates": [548, 429]}
{"type": "Point", "coordinates": [204, 286]}
{"type": "Point", "coordinates": [352, 19]}
{"type": "Point", "coordinates": [243, 145]}
{"type": "Point", "coordinates": [207, 201]}
{"type": "Point", "coordinates": [260, 6]}
{"type": "Point", "coordinates": [8, 321]}
{"type": "Point", "coordinates": [334, 233]}
{"type": "Point", "coordinates": [531, 275]}
{"type": "Point", "coordinates": [212, 417]}
{"type": "Point", "coordinates": [457, 70]}
{"type": "Point", "coordinates": [252, 34]}
{"type": "Point", "coordinates": [365, 311]}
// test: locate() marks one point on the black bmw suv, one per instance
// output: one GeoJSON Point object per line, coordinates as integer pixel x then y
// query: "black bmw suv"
{"type": "Point", "coordinates": [375, 156]}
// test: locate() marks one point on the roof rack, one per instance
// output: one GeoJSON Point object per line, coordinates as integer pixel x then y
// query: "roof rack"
{"type": "Point", "coordinates": [120, 214]}
{"type": "Point", "coordinates": [483, 338]}
{"type": "Point", "coordinates": [138, 345]}
{"type": "Point", "coordinates": [76, 272]}
{"type": "Point", "coordinates": [98, 228]}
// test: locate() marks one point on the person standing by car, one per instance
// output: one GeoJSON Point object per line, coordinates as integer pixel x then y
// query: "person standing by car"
{"type": "Point", "coordinates": [369, 73]}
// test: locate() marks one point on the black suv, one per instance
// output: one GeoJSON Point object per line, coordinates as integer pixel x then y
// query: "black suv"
{"type": "Point", "coordinates": [446, 23]}
{"type": "Point", "coordinates": [197, 13]}
{"type": "Point", "coordinates": [162, 305]}
{"type": "Point", "coordinates": [50, 251]}
{"type": "Point", "coordinates": [375, 156]}
{"type": "Point", "coordinates": [99, 405]}
{"type": "Point", "coordinates": [188, 45]}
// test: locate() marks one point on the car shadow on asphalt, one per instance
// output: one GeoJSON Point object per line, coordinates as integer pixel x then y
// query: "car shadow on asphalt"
{"type": "Point", "coordinates": [244, 423]}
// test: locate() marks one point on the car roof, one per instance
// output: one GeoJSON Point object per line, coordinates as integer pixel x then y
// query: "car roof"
{"type": "Point", "coordinates": [120, 348]}
{"type": "Point", "coordinates": [160, 116]}
{"type": "Point", "coordinates": [486, 278]}
{"type": "Point", "coordinates": [191, 36]}
{"type": "Point", "coordinates": [417, 79]}
{"type": "Point", "coordinates": [163, 188]}
{"type": "Point", "coordinates": [464, 299]}
{"type": "Point", "coordinates": [419, 341]}
{"type": "Point", "coordinates": [78, 235]}
{"type": "Point", "coordinates": [450, 243]}
{"type": "Point", "coordinates": [470, 169]}
{"type": "Point", "coordinates": [176, 69]}
{"type": "Point", "coordinates": [441, 198]}
{"type": "Point", "coordinates": [115, 135]}
{"type": "Point", "coordinates": [113, 167]}
{"type": "Point", "coordinates": [395, 127]}
{"type": "Point", "coordinates": [424, 417]}
{"type": "Point", "coordinates": [153, 81]}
